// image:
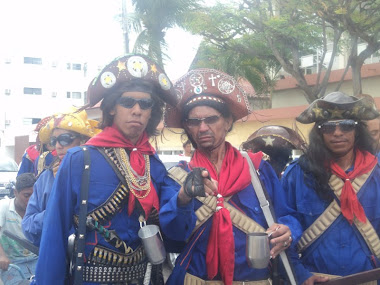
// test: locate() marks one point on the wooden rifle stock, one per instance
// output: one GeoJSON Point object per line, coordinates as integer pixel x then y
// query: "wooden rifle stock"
{"type": "Point", "coordinates": [355, 279]}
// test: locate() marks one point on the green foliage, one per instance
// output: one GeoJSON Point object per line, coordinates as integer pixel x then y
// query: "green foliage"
{"type": "Point", "coordinates": [156, 16]}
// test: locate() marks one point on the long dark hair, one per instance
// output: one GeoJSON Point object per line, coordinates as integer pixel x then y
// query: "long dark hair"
{"type": "Point", "coordinates": [316, 161]}
{"type": "Point", "coordinates": [110, 99]}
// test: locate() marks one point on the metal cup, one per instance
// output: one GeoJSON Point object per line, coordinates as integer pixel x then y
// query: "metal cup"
{"type": "Point", "coordinates": [258, 250]}
{"type": "Point", "coordinates": [153, 244]}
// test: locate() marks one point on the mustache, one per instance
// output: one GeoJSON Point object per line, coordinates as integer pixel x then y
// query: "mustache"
{"type": "Point", "coordinates": [205, 134]}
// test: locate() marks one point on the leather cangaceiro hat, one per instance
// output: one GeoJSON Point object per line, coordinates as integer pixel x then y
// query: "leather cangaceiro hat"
{"type": "Point", "coordinates": [128, 68]}
{"type": "Point", "coordinates": [338, 106]}
{"type": "Point", "coordinates": [274, 136]}
{"type": "Point", "coordinates": [205, 86]}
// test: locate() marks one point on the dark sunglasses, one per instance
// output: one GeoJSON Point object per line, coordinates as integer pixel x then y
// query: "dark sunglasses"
{"type": "Point", "coordinates": [344, 125]}
{"type": "Point", "coordinates": [194, 122]}
{"type": "Point", "coordinates": [129, 102]}
{"type": "Point", "coordinates": [63, 139]}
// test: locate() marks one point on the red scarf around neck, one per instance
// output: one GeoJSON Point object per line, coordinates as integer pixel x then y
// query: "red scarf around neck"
{"type": "Point", "coordinates": [32, 152]}
{"type": "Point", "coordinates": [350, 205]}
{"type": "Point", "coordinates": [112, 137]}
{"type": "Point", "coordinates": [233, 177]}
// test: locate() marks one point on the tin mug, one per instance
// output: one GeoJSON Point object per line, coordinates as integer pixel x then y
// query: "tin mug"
{"type": "Point", "coordinates": [153, 243]}
{"type": "Point", "coordinates": [258, 250]}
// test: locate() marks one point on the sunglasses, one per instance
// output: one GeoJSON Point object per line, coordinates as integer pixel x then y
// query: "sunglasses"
{"type": "Point", "coordinates": [195, 122]}
{"type": "Point", "coordinates": [344, 125]}
{"type": "Point", "coordinates": [63, 139]}
{"type": "Point", "coordinates": [129, 102]}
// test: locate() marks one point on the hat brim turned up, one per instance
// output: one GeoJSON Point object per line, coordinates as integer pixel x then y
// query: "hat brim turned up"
{"type": "Point", "coordinates": [201, 86]}
{"type": "Point", "coordinates": [128, 68]}
{"type": "Point", "coordinates": [338, 106]}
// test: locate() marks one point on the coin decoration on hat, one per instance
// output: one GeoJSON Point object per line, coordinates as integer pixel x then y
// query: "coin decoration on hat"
{"type": "Point", "coordinates": [204, 85]}
{"type": "Point", "coordinates": [338, 106]}
{"type": "Point", "coordinates": [128, 68]}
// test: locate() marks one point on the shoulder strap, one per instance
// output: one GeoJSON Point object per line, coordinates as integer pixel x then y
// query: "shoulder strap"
{"type": "Point", "coordinates": [78, 275]}
{"type": "Point", "coordinates": [268, 214]}
{"type": "Point", "coordinates": [203, 213]}
{"type": "Point", "coordinates": [325, 220]}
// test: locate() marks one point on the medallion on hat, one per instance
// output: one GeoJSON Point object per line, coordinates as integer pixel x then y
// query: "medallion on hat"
{"type": "Point", "coordinates": [203, 85]}
{"type": "Point", "coordinates": [339, 106]}
{"type": "Point", "coordinates": [128, 68]}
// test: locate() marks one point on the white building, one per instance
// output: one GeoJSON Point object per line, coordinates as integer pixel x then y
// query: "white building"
{"type": "Point", "coordinates": [34, 86]}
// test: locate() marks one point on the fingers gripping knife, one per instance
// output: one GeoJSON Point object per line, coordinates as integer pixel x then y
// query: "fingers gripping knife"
{"type": "Point", "coordinates": [264, 204]}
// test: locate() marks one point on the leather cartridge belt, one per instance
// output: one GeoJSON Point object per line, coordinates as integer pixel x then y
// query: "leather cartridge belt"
{"type": "Point", "coordinates": [194, 280]}
{"type": "Point", "coordinates": [106, 257]}
{"type": "Point", "coordinates": [114, 274]}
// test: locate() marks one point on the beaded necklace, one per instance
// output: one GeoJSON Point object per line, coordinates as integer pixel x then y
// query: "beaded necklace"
{"type": "Point", "coordinates": [135, 182]}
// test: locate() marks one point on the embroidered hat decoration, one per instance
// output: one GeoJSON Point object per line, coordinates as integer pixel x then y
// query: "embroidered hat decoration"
{"type": "Point", "coordinates": [127, 68]}
{"type": "Point", "coordinates": [202, 86]}
{"type": "Point", "coordinates": [72, 121]}
{"type": "Point", "coordinates": [337, 106]}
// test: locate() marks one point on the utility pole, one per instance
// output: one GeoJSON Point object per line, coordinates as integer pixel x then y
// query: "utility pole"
{"type": "Point", "coordinates": [124, 24]}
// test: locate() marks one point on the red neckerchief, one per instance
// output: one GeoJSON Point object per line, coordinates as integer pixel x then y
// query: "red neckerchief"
{"type": "Point", "coordinates": [32, 152]}
{"type": "Point", "coordinates": [234, 176]}
{"type": "Point", "coordinates": [112, 137]}
{"type": "Point", "coordinates": [350, 205]}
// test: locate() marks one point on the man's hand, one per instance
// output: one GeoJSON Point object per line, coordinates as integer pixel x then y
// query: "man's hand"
{"type": "Point", "coordinates": [281, 238]}
{"type": "Point", "coordinates": [315, 279]}
{"type": "Point", "coordinates": [209, 184]}
{"type": "Point", "coordinates": [4, 262]}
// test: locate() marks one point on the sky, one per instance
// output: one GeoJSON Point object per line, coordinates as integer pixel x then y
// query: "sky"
{"type": "Point", "coordinates": [80, 28]}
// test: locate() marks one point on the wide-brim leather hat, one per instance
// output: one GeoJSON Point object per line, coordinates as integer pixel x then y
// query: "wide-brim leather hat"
{"type": "Point", "coordinates": [128, 68]}
{"type": "Point", "coordinates": [274, 136]}
{"type": "Point", "coordinates": [203, 85]}
{"type": "Point", "coordinates": [74, 120]}
{"type": "Point", "coordinates": [338, 106]}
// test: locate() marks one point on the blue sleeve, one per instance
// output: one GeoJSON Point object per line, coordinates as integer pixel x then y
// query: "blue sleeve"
{"type": "Point", "coordinates": [176, 222]}
{"type": "Point", "coordinates": [51, 266]}
{"type": "Point", "coordinates": [26, 165]}
{"type": "Point", "coordinates": [290, 181]}
{"type": "Point", "coordinates": [33, 219]}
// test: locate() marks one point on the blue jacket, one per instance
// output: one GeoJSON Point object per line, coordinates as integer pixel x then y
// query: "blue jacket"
{"type": "Point", "coordinates": [340, 250]}
{"type": "Point", "coordinates": [64, 202]}
{"type": "Point", "coordinates": [193, 257]}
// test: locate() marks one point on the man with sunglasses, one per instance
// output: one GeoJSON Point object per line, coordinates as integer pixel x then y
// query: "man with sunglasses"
{"type": "Point", "coordinates": [334, 188]}
{"type": "Point", "coordinates": [62, 131]}
{"type": "Point", "coordinates": [216, 250]}
{"type": "Point", "coordinates": [126, 187]}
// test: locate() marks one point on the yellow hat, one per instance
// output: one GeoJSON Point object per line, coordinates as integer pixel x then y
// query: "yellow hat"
{"type": "Point", "coordinates": [73, 121]}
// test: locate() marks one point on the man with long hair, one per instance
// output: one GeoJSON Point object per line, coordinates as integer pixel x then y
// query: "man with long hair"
{"type": "Point", "coordinates": [334, 189]}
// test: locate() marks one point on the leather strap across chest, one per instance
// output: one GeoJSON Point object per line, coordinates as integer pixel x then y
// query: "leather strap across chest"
{"type": "Point", "coordinates": [239, 219]}
{"type": "Point", "coordinates": [332, 212]}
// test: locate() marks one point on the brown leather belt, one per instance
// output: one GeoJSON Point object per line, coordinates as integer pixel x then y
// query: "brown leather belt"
{"type": "Point", "coordinates": [194, 280]}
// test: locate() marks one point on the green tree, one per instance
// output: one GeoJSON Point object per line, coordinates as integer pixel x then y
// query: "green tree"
{"type": "Point", "coordinates": [285, 30]}
{"type": "Point", "coordinates": [156, 16]}
{"type": "Point", "coordinates": [361, 21]}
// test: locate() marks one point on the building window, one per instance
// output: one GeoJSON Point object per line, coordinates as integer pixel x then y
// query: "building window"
{"type": "Point", "coordinates": [76, 95]}
{"type": "Point", "coordinates": [31, 121]}
{"type": "Point", "coordinates": [68, 94]}
{"type": "Point", "coordinates": [32, 91]}
{"type": "Point", "coordinates": [7, 92]}
{"type": "Point", "coordinates": [68, 65]}
{"type": "Point", "coordinates": [32, 60]}
{"type": "Point", "coordinates": [77, 66]}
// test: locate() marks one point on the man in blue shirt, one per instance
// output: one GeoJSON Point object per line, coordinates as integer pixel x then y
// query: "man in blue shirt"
{"type": "Point", "coordinates": [334, 188]}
